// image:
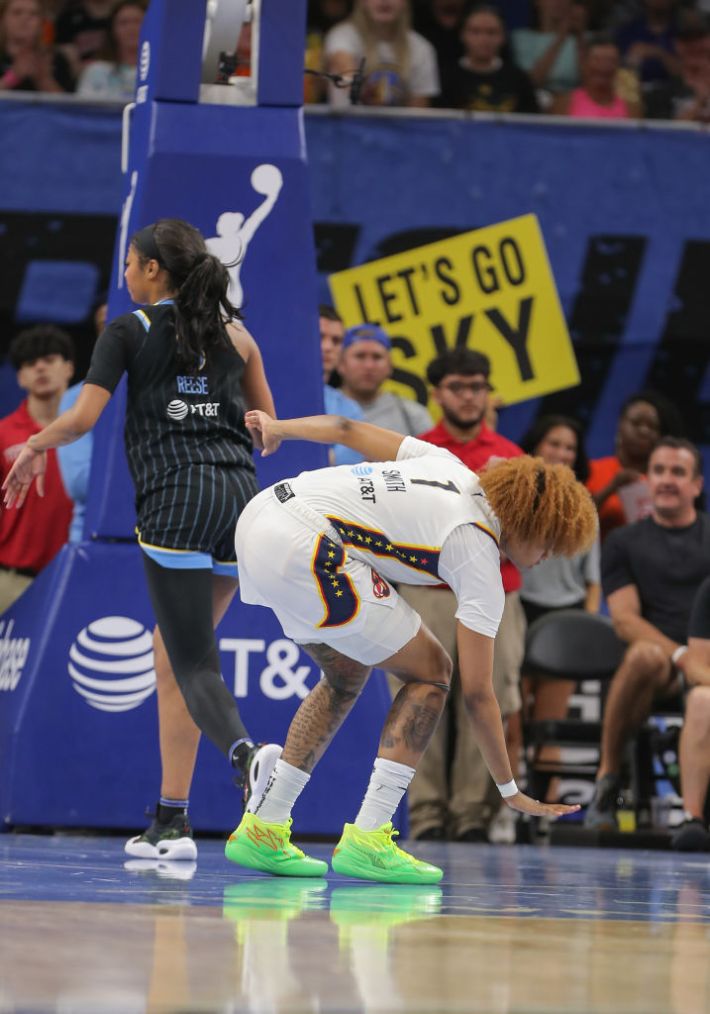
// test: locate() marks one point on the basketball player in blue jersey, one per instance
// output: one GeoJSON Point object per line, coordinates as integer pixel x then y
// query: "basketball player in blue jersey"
{"type": "Point", "coordinates": [192, 370]}
{"type": "Point", "coordinates": [324, 551]}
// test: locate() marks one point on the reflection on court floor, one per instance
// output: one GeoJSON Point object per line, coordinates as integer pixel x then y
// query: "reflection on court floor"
{"type": "Point", "coordinates": [510, 929]}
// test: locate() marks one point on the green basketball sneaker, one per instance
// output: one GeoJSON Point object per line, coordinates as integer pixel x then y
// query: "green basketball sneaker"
{"type": "Point", "coordinates": [268, 848]}
{"type": "Point", "coordinates": [373, 855]}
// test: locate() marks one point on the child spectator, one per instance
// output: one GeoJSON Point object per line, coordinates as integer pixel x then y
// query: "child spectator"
{"type": "Point", "coordinates": [114, 75]}
{"type": "Point", "coordinates": [482, 80]}
{"type": "Point", "coordinates": [43, 357]}
{"type": "Point", "coordinates": [598, 96]}
{"type": "Point", "coordinates": [27, 64]}
{"type": "Point", "coordinates": [400, 66]}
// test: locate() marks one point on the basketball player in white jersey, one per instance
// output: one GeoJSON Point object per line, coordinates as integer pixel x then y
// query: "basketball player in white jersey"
{"type": "Point", "coordinates": [323, 551]}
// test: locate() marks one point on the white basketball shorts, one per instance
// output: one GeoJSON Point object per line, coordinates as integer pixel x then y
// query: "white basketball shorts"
{"type": "Point", "coordinates": [291, 560]}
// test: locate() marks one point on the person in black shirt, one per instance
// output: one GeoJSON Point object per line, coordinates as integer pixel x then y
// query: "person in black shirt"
{"type": "Point", "coordinates": [651, 571]}
{"type": "Point", "coordinates": [192, 370]}
{"type": "Point", "coordinates": [482, 80]}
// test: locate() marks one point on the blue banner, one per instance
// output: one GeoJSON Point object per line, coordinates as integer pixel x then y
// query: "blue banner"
{"type": "Point", "coordinates": [625, 213]}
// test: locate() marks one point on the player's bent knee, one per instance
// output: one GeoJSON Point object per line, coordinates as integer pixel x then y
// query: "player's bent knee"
{"type": "Point", "coordinates": [445, 670]}
{"type": "Point", "coordinates": [347, 685]}
{"type": "Point", "coordinates": [346, 677]}
{"type": "Point", "coordinates": [434, 666]}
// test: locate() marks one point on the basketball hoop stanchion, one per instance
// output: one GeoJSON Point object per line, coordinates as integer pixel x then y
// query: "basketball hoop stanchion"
{"type": "Point", "coordinates": [238, 173]}
{"type": "Point", "coordinates": [78, 739]}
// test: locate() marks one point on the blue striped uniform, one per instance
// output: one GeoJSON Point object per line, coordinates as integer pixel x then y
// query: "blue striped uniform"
{"type": "Point", "coordinates": [189, 452]}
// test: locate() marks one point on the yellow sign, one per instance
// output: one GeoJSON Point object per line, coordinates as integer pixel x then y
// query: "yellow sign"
{"type": "Point", "coordinates": [491, 290]}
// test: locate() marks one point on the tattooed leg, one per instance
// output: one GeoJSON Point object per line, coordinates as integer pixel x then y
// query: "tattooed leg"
{"type": "Point", "coordinates": [326, 707]}
{"type": "Point", "coordinates": [425, 669]}
{"type": "Point", "coordinates": [411, 721]}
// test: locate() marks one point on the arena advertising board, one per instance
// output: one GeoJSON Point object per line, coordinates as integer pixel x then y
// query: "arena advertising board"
{"type": "Point", "coordinates": [490, 289]}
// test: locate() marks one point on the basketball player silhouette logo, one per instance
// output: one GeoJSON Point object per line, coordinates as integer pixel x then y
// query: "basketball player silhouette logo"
{"type": "Point", "coordinates": [235, 232]}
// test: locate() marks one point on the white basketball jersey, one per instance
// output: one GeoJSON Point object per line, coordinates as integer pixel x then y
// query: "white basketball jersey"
{"type": "Point", "coordinates": [395, 515]}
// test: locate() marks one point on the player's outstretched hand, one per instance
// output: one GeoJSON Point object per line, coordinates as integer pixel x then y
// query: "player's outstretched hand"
{"type": "Point", "coordinates": [28, 465]}
{"type": "Point", "coordinates": [524, 804]}
{"type": "Point", "coordinates": [261, 426]}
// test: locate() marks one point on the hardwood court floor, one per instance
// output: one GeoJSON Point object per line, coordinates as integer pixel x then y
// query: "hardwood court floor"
{"type": "Point", "coordinates": [511, 929]}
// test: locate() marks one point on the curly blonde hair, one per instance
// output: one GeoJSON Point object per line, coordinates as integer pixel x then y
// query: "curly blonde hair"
{"type": "Point", "coordinates": [542, 504]}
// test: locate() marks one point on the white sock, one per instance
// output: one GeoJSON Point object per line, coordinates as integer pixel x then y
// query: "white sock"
{"type": "Point", "coordinates": [282, 790]}
{"type": "Point", "coordinates": [388, 783]}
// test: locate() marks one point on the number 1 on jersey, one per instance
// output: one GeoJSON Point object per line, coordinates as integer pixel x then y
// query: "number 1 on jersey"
{"type": "Point", "coordinates": [450, 486]}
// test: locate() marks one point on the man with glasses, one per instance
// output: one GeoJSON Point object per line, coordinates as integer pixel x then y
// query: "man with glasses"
{"type": "Point", "coordinates": [460, 806]}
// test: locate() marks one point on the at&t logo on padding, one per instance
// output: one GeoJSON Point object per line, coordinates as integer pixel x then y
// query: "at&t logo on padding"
{"type": "Point", "coordinates": [13, 655]}
{"type": "Point", "coordinates": [111, 664]}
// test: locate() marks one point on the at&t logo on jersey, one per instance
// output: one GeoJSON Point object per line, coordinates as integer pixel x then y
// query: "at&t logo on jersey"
{"type": "Point", "coordinates": [111, 664]}
{"type": "Point", "coordinates": [178, 410]}
{"type": "Point", "coordinates": [13, 655]}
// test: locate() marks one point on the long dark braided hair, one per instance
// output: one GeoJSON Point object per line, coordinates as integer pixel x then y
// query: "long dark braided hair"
{"type": "Point", "coordinates": [201, 281]}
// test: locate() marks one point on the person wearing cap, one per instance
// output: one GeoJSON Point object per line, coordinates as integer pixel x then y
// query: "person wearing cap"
{"type": "Point", "coordinates": [463, 811]}
{"type": "Point", "coordinates": [365, 365]}
{"type": "Point", "coordinates": [43, 357]}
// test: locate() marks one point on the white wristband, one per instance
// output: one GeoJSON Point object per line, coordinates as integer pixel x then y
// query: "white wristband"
{"type": "Point", "coordinates": [508, 789]}
{"type": "Point", "coordinates": [678, 653]}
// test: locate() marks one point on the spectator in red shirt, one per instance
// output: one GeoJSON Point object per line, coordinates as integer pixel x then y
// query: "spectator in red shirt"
{"type": "Point", "coordinates": [44, 359]}
{"type": "Point", "coordinates": [618, 482]}
{"type": "Point", "coordinates": [461, 807]}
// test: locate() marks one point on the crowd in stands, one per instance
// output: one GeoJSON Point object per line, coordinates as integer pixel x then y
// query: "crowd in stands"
{"type": "Point", "coordinates": [647, 59]}
{"type": "Point", "coordinates": [583, 58]}
{"type": "Point", "coordinates": [89, 47]}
